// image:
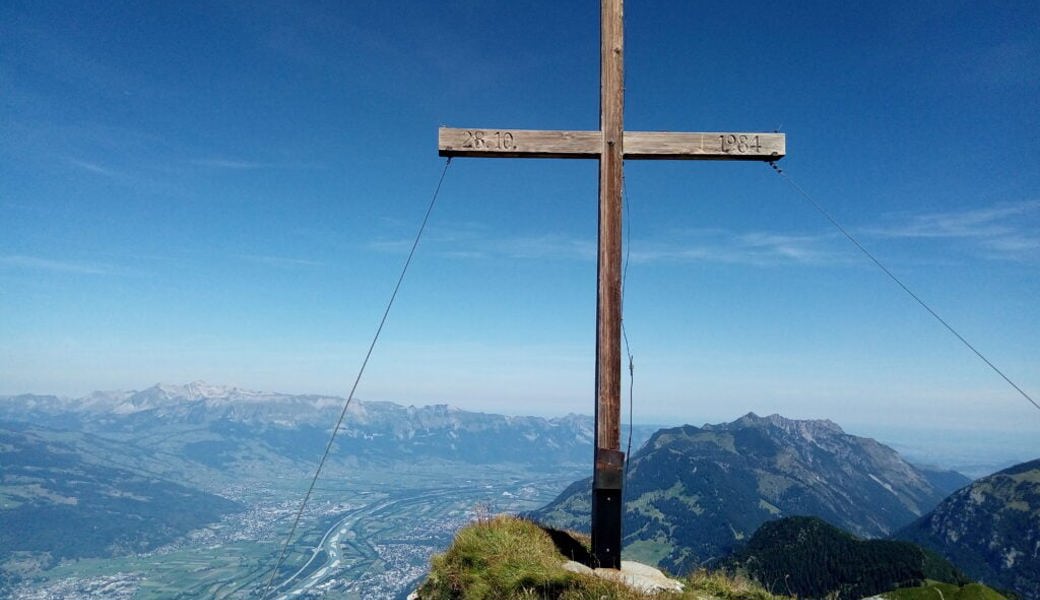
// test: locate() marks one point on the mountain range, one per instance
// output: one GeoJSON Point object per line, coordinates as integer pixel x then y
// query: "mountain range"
{"type": "Point", "coordinates": [221, 426]}
{"type": "Point", "coordinates": [694, 494]}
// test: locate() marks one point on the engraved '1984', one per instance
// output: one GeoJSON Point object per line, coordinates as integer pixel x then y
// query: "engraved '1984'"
{"type": "Point", "coordinates": [739, 143]}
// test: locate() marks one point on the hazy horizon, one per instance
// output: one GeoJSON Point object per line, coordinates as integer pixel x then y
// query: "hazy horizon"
{"type": "Point", "coordinates": [971, 450]}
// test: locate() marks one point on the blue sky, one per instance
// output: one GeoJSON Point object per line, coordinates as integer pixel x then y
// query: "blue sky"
{"type": "Point", "coordinates": [226, 191]}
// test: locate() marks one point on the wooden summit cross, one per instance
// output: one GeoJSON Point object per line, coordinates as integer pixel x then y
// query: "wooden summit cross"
{"type": "Point", "coordinates": [611, 145]}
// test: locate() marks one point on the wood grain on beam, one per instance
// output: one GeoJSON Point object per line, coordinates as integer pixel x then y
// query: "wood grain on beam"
{"type": "Point", "coordinates": [637, 145]}
{"type": "Point", "coordinates": [519, 143]}
{"type": "Point", "coordinates": [723, 145]}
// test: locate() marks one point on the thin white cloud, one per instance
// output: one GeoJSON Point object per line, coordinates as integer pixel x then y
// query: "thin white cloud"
{"type": "Point", "coordinates": [543, 247]}
{"type": "Point", "coordinates": [35, 263]}
{"type": "Point", "coordinates": [229, 163]}
{"type": "Point", "coordinates": [1015, 244]}
{"type": "Point", "coordinates": [1004, 231]}
{"type": "Point", "coordinates": [551, 247]}
{"type": "Point", "coordinates": [709, 246]}
{"type": "Point", "coordinates": [282, 262]}
{"type": "Point", "coordinates": [92, 167]}
{"type": "Point", "coordinates": [760, 249]}
{"type": "Point", "coordinates": [477, 241]}
{"type": "Point", "coordinates": [235, 164]}
{"type": "Point", "coordinates": [390, 246]}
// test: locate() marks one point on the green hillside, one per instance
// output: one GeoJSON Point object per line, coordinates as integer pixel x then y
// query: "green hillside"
{"type": "Point", "coordinates": [807, 557]}
{"type": "Point", "coordinates": [932, 590]}
{"type": "Point", "coordinates": [991, 529]}
{"type": "Point", "coordinates": [505, 558]}
{"type": "Point", "coordinates": [57, 504]}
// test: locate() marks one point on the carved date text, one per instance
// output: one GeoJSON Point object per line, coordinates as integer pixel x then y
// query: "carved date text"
{"type": "Point", "coordinates": [489, 140]}
{"type": "Point", "coordinates": [739, 143]}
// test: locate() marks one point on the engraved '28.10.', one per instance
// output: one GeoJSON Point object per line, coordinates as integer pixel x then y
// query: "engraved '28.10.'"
{"type": "Point", "coordinates": [494, 140]}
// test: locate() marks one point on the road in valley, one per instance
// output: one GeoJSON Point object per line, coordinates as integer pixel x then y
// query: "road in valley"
{"type": "Point", "coordinates": [381, 549]}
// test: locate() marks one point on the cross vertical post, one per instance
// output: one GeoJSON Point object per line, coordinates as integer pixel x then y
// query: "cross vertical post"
{"type": "Point", "coordinates": [609, 460]}
{"type": "Point", "coordinates": [611, 145]}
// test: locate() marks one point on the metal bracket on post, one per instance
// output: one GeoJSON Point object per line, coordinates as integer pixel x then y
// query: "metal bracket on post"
{"type": "Point", "coordinates": [610, 467]}
{"type": "Point", "coordinates": [607, 480]}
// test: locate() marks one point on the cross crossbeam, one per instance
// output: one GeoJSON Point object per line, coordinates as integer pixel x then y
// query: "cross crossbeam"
{"type": "Point", "coordinates": [637, 145]}
{"type": "Point", "coordinates": [611, 145]}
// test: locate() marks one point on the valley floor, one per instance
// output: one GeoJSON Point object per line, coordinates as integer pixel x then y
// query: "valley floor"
{"type": "Point", "coordinates": [368, 535]}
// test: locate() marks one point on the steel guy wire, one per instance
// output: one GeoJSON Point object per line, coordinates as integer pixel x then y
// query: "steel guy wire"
{"type": "Point", "coordinates": [361, 371]}
{"type": "Point", "coordinates": [899, 282]}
